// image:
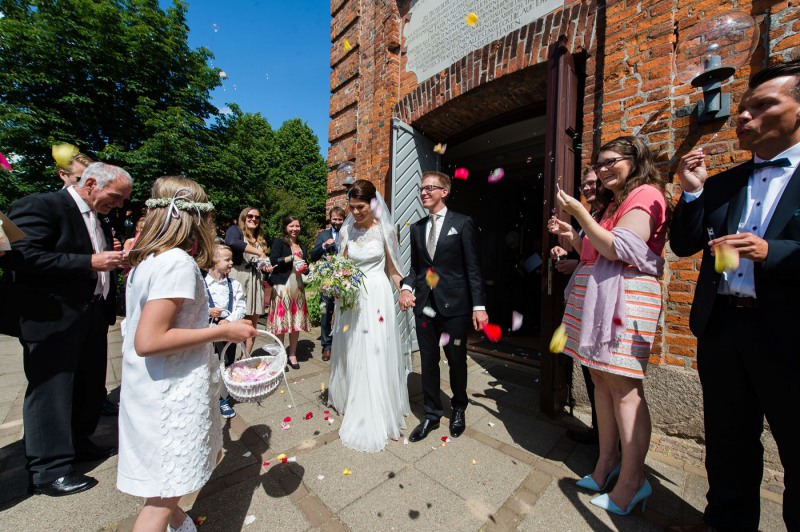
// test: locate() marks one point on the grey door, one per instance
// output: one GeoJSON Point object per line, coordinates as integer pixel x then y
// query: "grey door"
{"type": "Point", "coordinates": [412, 155]}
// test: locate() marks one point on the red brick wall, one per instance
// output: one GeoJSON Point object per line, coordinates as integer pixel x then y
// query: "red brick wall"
{"type": "Point", "coordinates": [630, 88]}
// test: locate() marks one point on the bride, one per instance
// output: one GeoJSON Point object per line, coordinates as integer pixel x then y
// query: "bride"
{"type": "Point", "coordinates": [368, 377]}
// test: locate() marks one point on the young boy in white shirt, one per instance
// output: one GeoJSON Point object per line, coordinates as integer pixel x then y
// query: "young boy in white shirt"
{"type": "Point", "coordinates": [225, 303]}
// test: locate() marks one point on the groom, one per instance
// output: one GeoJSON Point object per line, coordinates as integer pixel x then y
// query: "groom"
{"type": "Point", "coordinates": [445, 288]}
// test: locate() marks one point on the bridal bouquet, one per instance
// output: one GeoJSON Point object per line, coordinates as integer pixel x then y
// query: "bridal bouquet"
{"type": "Point", "coordinates": [337, 276]}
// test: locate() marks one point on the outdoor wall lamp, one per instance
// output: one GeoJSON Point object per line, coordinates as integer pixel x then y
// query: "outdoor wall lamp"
{"type": "Point", "coordinates": [344, 173]}
{"type": "Point", "coordinates": [709, 53]}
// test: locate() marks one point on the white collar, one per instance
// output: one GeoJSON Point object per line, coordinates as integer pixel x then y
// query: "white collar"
{"type": "Point", "coordinates": [440, 214]}
{"type": "Point", "coordinates": [82, 205]}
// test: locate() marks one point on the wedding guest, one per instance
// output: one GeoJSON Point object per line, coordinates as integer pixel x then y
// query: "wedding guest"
{"type": "Point", "coordinates": [226, 304]}
{"type": "Point", "coordinates": [170, 433]}
{"type": "Point", "coordinates": [71, 175]}
{"type": "Point", "coordinates": [246, 240]}
{"type": "Point", "coordinates": [565, 264]}
{"type": "Point", "coordinates": [328, 243]}
{"type": "Point", "coordinates": [288, 312]}
{"type": "Point", "coordinates": [744, 319]}
{"type": "Point", "coordinates": [612, 310]}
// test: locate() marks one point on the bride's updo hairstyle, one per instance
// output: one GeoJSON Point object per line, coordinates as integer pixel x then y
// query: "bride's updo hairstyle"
{"type": "Point", "coordinates": [362, 190]}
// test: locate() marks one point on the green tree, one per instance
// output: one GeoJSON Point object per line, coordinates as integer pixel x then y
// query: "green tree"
{"type": "Point", "coordinates": [299, 168]}
{"type": "Point", "coordinates": [115, 77]}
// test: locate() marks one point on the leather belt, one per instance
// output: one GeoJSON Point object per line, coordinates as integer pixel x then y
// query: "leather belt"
{"type": "Point", "coordinates": [740, 302]}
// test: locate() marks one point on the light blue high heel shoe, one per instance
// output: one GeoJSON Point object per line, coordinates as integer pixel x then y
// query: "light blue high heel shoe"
{"type": "Point", "coordinates": [605, 502]}
{"type": "Point", "coordinates": [588, 482]}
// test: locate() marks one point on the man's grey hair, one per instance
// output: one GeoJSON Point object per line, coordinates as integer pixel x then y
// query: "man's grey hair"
{"type": "Point", "coordinates": [105, 174]}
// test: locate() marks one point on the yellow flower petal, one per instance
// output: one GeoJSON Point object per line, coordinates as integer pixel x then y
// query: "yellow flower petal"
{"type": "Point", "coordinates": [432, 278]}
{"type": "Point", "coordinates": [347, 45]}
{"type": "Point", "coordinates": [474, 461]}
{"type": "Point", "coordinates": [472, 19]}
{"type": "Point", "coordinates": [726, 258]}
{"type": "Point", "coordinates": [280, 456]}
{"type": "Point", "coordinates": [347, 472]}
{"type": "Point", "coordinates": [559, 339]}
{"type": "Point", "coordinates": [63, 154]}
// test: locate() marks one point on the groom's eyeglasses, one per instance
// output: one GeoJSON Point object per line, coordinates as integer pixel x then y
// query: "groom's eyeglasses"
{"type": "Point", "coordinates": [429, 189]}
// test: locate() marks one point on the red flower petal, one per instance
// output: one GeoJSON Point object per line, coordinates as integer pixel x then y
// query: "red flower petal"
{"type": "Point", "coordinates": [327, 412]}
{"type": "Point", "coordinates": [309, 416]}
{"type": "Point", "coordinates": [327, 418]}
{"type": "Point", "coordinates": [287, 420]}
{"type": "Point", "coordinates": [492, 332]}
{"type": "Point", "coordinates": [284, 460]}
{"type": "Point", "coordinates": [380, 319]}
{"type": "Point", "coordinates": [444, 439]}
{"type": "Point", "coordinates": [265, 464]}
{"type": "Point", "coordinates": [461, 173]}
{"type": "Point", "coordinates": [617, 321]}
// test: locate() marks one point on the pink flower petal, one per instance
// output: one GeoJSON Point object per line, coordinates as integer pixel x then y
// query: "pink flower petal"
{"type": "Point", "coordinates": [516, 321]}
{"type": "Point", "coordinates": [496, 175]}
{"type": "Point", "coordinates": [444, 339]}
{"type": "Point", "coordinates": [461, 173]}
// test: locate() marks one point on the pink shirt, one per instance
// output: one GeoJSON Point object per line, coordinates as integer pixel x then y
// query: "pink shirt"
{"type": "Point", "coordinates": [647, 198]}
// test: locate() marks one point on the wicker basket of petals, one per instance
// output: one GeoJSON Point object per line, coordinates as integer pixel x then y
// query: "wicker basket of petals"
{"type": "Point", "coordinates": [253, 379]}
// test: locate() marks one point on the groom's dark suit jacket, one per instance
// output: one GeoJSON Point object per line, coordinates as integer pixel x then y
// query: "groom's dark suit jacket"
{"type": "Point", "coordinates": [460, 284]}
{"type": "Point", "coordinates": [777, 280]}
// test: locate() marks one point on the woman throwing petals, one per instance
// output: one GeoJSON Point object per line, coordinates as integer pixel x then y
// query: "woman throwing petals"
{"type": "Point", "coordinates": [613, 305]}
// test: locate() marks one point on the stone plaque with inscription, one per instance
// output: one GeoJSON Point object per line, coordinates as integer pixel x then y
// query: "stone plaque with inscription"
{"type": "Point", "coordinates": [438, 35]}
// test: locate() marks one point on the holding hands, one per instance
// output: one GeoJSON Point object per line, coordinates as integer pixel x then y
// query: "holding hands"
{"type": "Point", "coordinates": [407, 300]}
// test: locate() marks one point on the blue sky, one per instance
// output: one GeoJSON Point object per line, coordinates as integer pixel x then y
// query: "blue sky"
{"type": "Point", "coordinates": [276, 55]}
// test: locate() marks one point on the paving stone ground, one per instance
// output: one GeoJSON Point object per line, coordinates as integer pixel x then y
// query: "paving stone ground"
{"type": "Point", "coordinates": [523, 475]}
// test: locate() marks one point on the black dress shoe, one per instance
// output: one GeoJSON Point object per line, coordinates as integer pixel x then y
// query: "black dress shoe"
{"type": "Point", "coordinates": [70, 483]}
{"type": "Point", "coordinates": [423, 429]}
{"type": "Point", "coordinates": [458, 423]}
{"type": "Point", "coordinates": [588, 437]}
{"type": "Point", "coordinates": [89, 452]}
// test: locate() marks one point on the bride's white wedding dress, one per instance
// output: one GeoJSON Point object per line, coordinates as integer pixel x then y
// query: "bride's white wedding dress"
{"type": "Point", "coordinates": [368, 378]}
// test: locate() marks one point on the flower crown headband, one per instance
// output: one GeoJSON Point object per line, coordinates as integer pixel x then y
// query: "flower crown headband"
{"type": "Point", "coordinates": [179, 201]}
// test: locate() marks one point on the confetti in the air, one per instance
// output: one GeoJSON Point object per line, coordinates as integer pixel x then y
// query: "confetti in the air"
{"type": "Point", "coordinates": [432, 278]}
{"type": "Point", "coordinates": [461, 173]}
{"type": "Point", "coordinates": [63, 154]}
{"type": "Point", "coordinates": [472, 19]}
{"type": "Point", "coordinates": [726, 258]}
{"type": "Point", "coordinates": [346, 326]}
{"type": "Point", "coordinates": [492, 332]}
{"type": "Point", "coordinates": [376, 208]}
{"type": "Point", "coordinates": [200, 520]}
{"type": "Point", "coordinates": [428, 311]}
{"type": "Point", "coordinates": [516, 321]}
{"type": "Point", "coordinates": [4, 163]}
{"type": "Point", "coordinates": [559, 339]}
{"type": "Point", "coordinates": [215, 28]}
{"type": "Point", "coordinates": [440, 149]}
{"type": "Point", "coordinates": [444, 339]}
{"type": "Point", "coordinates": [347, 45]}
{"type": "Point", "coordinates": [496, 175]}
{"type": "Point", "coordinates": [223, 75]}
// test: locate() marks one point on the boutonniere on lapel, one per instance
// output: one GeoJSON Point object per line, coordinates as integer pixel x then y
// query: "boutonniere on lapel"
{"type": "Point", "coordinates": [452, 231]}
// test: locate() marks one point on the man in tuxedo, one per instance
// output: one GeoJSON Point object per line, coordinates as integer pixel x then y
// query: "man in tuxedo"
{"type": "Point", "coordinates": [744, 319]}
{"type": "Point", "coordinates": [61, 280]}
{"type": "Point", "coordinates": [445, 288]}
{"type": "Point", "coordinates": [328, 244]}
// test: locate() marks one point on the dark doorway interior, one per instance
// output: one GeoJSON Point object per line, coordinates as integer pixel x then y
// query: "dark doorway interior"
{"type": "Point", "coordinates": [509, 217]}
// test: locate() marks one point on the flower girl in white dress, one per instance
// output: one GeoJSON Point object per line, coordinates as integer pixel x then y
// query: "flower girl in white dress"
{"type": "Point", "coordinates": [170, 435]}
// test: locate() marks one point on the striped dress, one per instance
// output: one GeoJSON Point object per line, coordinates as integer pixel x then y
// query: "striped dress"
{"type": "Point", "coordinates": [642, 293]}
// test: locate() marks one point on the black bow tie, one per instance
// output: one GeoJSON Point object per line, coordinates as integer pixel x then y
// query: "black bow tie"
{"type": "Point", "coordinates": [777, 163]}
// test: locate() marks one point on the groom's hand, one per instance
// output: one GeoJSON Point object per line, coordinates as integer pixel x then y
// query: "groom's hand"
{"type": "Point", "coordinates": [479, 319]}
{"type": "Point", "coordinates": [407, 300]}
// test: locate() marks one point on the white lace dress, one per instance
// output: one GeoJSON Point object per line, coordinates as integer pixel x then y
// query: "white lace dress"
{"type": "Point", "coordinates": [368, 378]}
{"type": "Point", "coordinates": [170, 430]}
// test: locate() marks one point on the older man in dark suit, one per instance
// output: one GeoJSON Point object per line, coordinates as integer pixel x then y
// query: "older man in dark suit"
{"type": "Point", "coordinates": [744, 319]}
{"type": "Point", "coordinates": [328, 244]}
{"type": "Point", "coordinates": [447, 297]}
{"type": "Point", "coordinates": [60, 278]}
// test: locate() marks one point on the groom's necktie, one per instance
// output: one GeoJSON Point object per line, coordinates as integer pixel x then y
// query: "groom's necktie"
{"type": "Point", "coordinates": [432, 235]}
